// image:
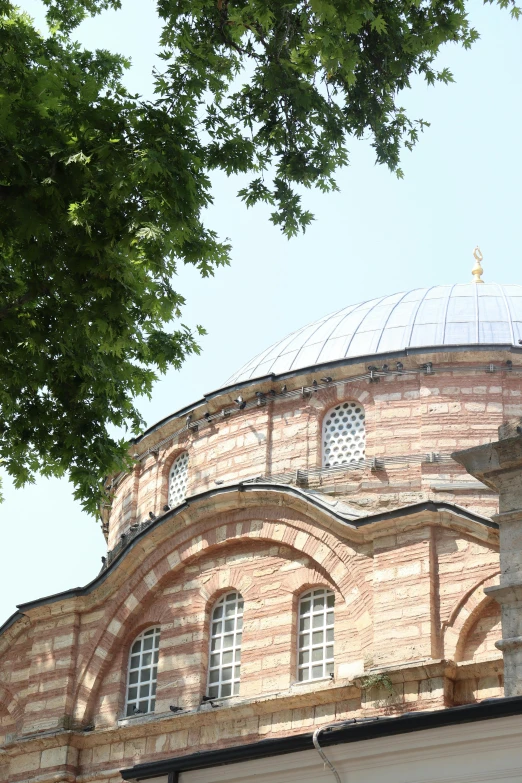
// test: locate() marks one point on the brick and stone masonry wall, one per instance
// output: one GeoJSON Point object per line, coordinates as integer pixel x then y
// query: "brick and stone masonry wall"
{"type": "Point", "coordinates": [408, 596]}
{"type": "Point", "coordinates": [408, 414]}
{"type": "Point", "coordinates": [409, 590]}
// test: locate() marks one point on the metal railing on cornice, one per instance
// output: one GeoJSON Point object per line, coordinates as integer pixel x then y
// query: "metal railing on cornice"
{"type": "Point", "coordinates": [261, 399]}
{"type": "Point", "coordinates": [301, 477]}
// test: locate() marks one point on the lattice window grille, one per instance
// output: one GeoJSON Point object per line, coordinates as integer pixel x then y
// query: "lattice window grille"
{"type": "Point", "coordinates": [316, 635]}
{"type": "Point", "coordinates": [178, 480]}
{"type": "Point", "coordinates": [344, 435]}
{"type": "Point", "coordinates": [226, 634]}
{"type": "Point", "coordinates": [143, 672]}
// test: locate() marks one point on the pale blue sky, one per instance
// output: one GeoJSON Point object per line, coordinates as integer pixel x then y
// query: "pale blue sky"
{"type": "Point", "coordinates": [377, 236]}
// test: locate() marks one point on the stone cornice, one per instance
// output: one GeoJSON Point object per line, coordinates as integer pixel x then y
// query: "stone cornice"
{"type": "Point", "coordinates": [346, 732]}
{"type": "Point", "coordinates": [345, 371]}
{"type": "Point", "coordinates": [297, 696]}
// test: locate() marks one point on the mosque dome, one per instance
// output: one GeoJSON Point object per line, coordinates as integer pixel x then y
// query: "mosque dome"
{"type": "Point", "coordinates": [460, 315]}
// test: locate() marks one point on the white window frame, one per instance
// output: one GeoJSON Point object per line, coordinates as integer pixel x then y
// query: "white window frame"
{"type": "Point", "coordinates": [143, 662]}
{"type": "Point", "coordinates": [315, 622]}
{"type": "Point", "coordinates": [343, 433]}
{"type": "Point", "coordinates": [224, 654]}
{"type": "Point", "coordinates": [177, 497]}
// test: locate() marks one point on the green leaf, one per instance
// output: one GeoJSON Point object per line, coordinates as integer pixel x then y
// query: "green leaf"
{"type": "Point", "coordinates": [103, 194]}
{"type": "Point", "coordinates": [379, 24]}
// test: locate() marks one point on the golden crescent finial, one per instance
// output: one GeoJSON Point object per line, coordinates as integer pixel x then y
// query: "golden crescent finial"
{"type": "Point", "coordinates": [477, 269]}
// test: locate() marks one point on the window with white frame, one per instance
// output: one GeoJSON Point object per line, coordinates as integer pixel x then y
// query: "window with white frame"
{"type": "Point", "coordinates": [316, 635]}
{"type": "Point", "coordinates": [226, 633]}
{"type": "Point", "coordinates": [178, 479]}
{"type": "Point", "coordinates": [344, 436]}
{"type": "Point", "coordinates": [143, 672]}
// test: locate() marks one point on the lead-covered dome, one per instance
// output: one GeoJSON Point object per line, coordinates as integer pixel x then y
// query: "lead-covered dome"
{"type": "Point", "coordinates": [453, 315]}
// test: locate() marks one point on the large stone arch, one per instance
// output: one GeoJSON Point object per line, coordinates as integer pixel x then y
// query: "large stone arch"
{"type": "Point", "coordinates": [11, 636]}
{"type": "Point", "coordinates": [206, 580]}
{"type": "Point", "coordinates": [479, 641]}
{"type": "Point", "coordinates": [190, 536]}
{"type": "Point", "coordinates": [10, 702]}
{"type": "Point", "coordinates": [279, 526]}
{"type": "Point", "coordinates": [464, 615]}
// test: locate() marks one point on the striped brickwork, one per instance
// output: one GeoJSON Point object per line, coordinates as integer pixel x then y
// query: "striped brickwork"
{"type": "Point", "coordinates": [407, 597]}
{"type": "Point", "coordinates": [412, 414]}
{"type": "Point", "coordinates": [413, 628]}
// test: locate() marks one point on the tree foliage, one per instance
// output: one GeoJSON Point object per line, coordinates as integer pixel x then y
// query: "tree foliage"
{"type": "Point", "coordinates": [102, 193]}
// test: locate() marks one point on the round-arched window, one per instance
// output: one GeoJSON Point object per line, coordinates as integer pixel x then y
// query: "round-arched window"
{"type": "Point", "coordinates": [315, 635]}
{"type": "Point", "coordinates": [226, 634]}
{"type": "Point", "coordinates": [344, 437]}
{"type": "Point", "coordinates": [178, 479]}
{"type": "Point", "coordinates": [142, 673]}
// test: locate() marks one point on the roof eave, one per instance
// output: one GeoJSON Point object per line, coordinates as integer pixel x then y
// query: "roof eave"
{"type": "Point", "coordinates": [347, 732]}
{"type": "Point", "coordinates": [353, 524]}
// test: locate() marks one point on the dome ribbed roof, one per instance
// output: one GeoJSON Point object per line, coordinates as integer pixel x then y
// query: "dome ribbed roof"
{"type": "Point", "coordinates": [459, 315]}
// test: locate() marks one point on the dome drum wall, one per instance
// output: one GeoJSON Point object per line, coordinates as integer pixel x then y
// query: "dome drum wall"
{"type": "Point", "coordinates": [414, 414]}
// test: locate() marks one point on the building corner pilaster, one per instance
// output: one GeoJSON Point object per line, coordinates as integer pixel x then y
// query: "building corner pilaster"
{"type": "Point", "coordinates": [499, 466]}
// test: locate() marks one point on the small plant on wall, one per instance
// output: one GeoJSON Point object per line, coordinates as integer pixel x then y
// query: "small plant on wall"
{"type": "Point", "coordinates": [376, 680]}
{"type": "Point", "coordinates": [379, 680]}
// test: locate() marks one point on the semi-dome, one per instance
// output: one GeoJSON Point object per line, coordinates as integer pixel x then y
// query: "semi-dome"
{"type": "Point", "coordinates": [446, 315]}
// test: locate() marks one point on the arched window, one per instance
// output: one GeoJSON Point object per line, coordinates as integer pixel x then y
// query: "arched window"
{"type": "Point", "coordinates": [316, 635]}
{"type": "Point", "coordinates": [178, 478]}
{"type": "Point", "coordinates": [143, 672]}
{"type": "Point", "coordinates": [343, 435]}
{"type": "Point", "coordinates": [226, 633]}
